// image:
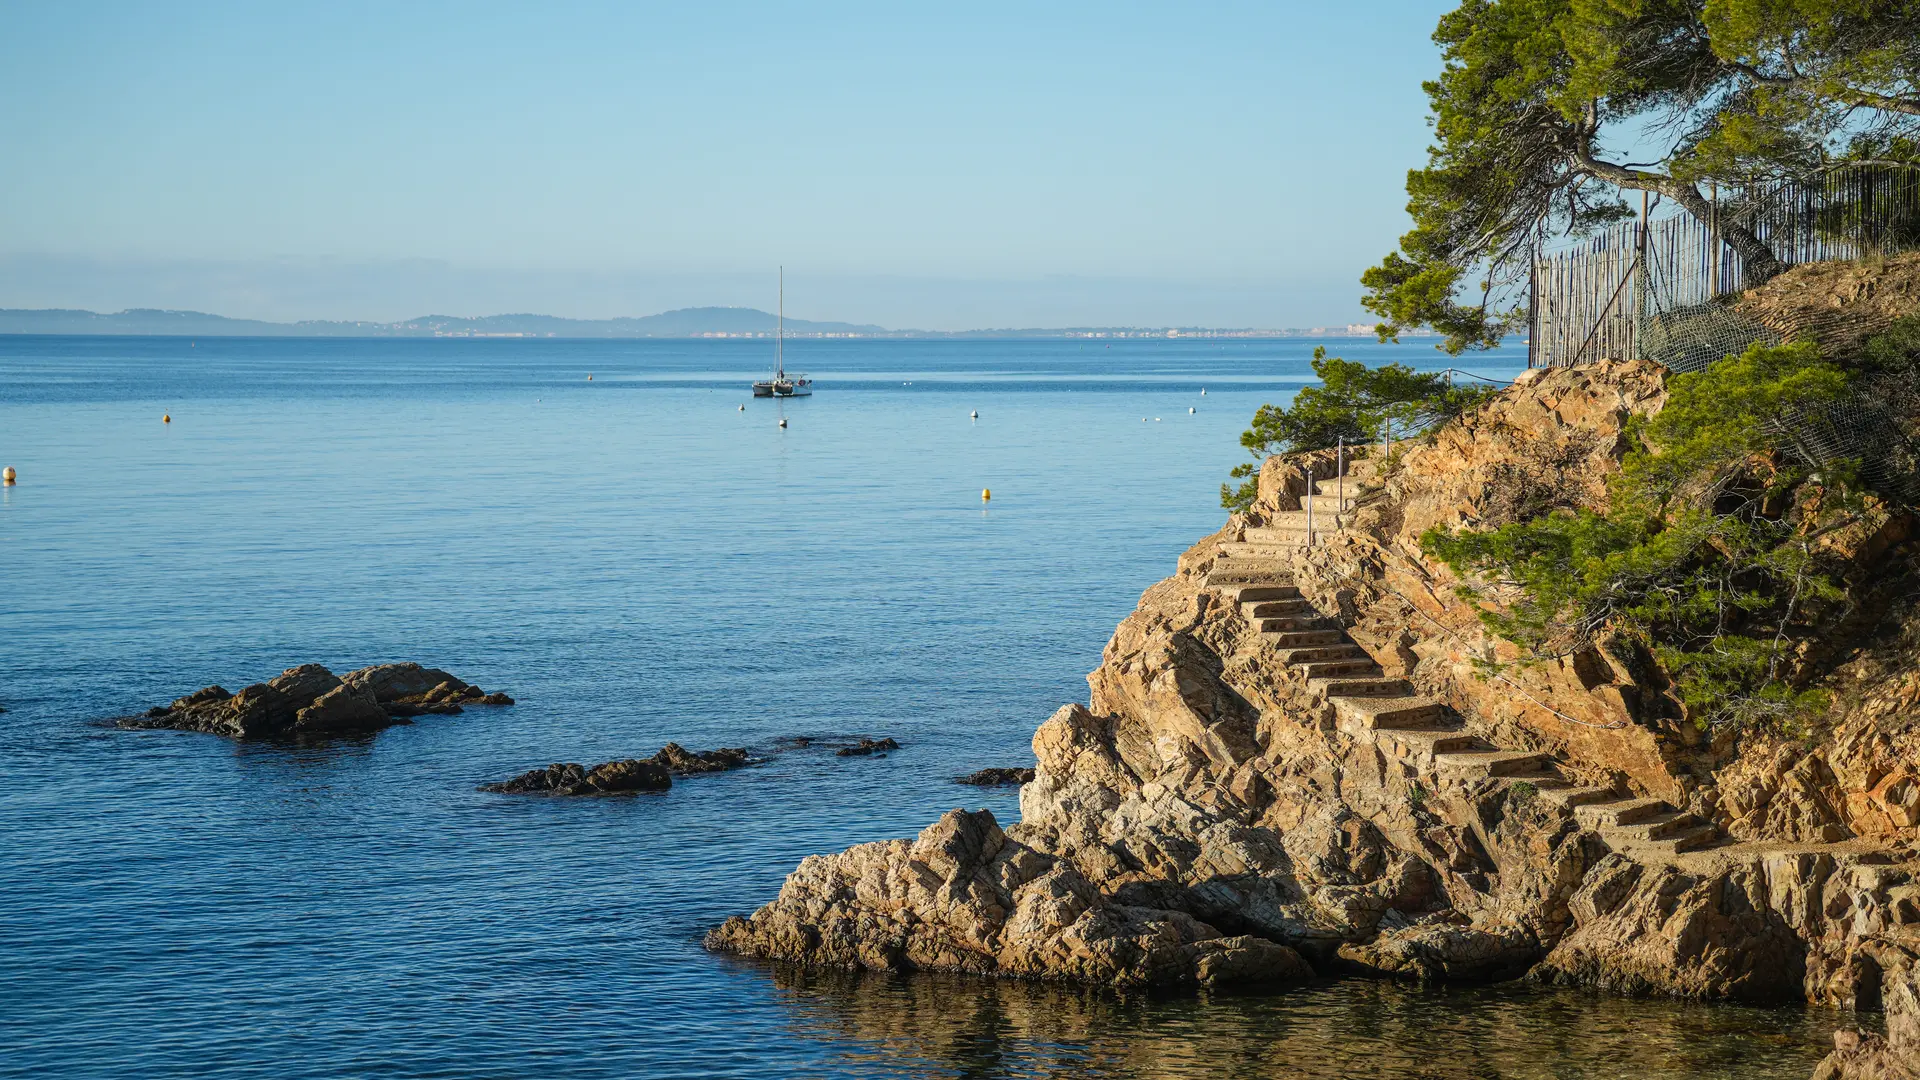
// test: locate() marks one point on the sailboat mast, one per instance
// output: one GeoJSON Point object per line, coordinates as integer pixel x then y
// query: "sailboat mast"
{"type": "Point", "coordinates": [780, 331]}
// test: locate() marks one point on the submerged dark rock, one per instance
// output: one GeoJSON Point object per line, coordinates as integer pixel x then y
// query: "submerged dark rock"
{"type": "Point", "coordinates": [624, 776]}
{"type": "Point", "coordinates": [865, 747]}
{"type": "Point", "coordinates": [679, 760]}
{"type": "Point", "coordinates": [998, 777]}
{"type": "Point", "coordinates": [311, 702]}
{"type": "Point", "coordinates": [612, 778]}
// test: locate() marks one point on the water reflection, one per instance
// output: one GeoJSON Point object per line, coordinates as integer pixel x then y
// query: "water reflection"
{"type": "Point", "coordinates": [976, 1028]}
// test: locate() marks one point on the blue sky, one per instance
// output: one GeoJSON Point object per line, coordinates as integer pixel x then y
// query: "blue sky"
{"type": "Point", "coordinates": [968, 165]}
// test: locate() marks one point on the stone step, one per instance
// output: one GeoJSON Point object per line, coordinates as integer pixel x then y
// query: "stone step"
{"type": "Point", "coordinates": [1420, 747]}
{"type": "Point", "coordinates": [1388, 714]}
{"type": "Point", "coordinates": [1273, 609]}
{"type": "Point", "coordinates": [1317, 653]}
{"type": "Point", "coordinates": [1292, 639]}
{"type": "Point", "coordinates": [1328, 502]}
{"type": "Point", "coordinates": [1288, 624]}
{"type": "Point", "coordinates": [1664, 826]}
{"type": "Point", "coordinates": [1480, 763]}
{"type": "Point", "coordinates": [1693, 839]}
{"type": "Point", "coordinates": [1344, 686]}
{"type": "Point", "coordinates": [1243, 592]}
{"type": "Point", "coordinates": [1282, 525]}
{"type": "Point", "coordinates": [1249, 573]}
{"type": "Point", "coordinates": [1363, 668]}
{"type": "Point", "coordinates": [1620, 812]}
{"type": "Point", "coordinates": [1283, 535]}
{"type": "Point", "coordinates": [1261, 552]}
{"type": "Point", "coordinates": [1573, 795]}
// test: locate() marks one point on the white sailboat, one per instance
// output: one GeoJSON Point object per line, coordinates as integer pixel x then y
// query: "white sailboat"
{"type": "Point", "coordinates": [782, 384]}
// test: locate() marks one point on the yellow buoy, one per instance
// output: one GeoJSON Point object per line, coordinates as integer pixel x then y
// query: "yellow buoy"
{"type": "Point", "coordinates": [166, 418]}
{"type": "Point", "coordinates": [589, 376]}
{"type": "Point", "coordinates": [986, 494]}
{"type": "Point", "coordinates": [9, 475]}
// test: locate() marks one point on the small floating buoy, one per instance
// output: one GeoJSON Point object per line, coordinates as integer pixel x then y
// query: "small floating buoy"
{"type": "Point", "coordinates": [166, 418]}
{"type": "Point", "coordinates": [1203, 391]}
{"type": "Point", "coordinates": [1156, 419]}
{"type": "Point", "coordinates": [743, 408]}
{"type": "Point", "coordinates": [783, 421]}
{"type": "Point", "coordinates": [986, 494]}
{"type": "Point", "coordinates": [1189, 410]}
{"type": "Point", "coordinates": [9, 475]}
{"type": "Point", "coordinates": [974, 415]}
{"type": "Point", "coordinates": [589, 376]}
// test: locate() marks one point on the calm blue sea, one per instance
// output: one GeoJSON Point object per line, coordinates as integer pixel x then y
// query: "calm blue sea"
{"type": "Point", "coordinates": [636, 559]}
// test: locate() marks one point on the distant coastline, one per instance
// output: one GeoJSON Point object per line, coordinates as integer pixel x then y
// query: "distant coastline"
{"type": "Point", "coordinates": [699, 322]}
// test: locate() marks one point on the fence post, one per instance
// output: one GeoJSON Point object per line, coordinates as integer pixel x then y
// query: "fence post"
{"type": "Point", "coordinates": [1633, 324]}
{"type": "Point", "coordinates": [1713, 239]}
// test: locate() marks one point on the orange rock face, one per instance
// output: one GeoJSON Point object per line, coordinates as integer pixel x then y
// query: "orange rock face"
{"type": "Point", "coordinates": [1306, 747]}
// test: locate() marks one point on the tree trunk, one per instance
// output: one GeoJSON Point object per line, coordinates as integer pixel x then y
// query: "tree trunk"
{"type": "Point", "coordinates": [1756, 257]}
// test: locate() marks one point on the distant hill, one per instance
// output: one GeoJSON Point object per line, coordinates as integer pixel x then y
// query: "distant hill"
{"type": "Point", "coordinates": [683, 323]}
{"type": "Point", "coordinates": [686, 322]}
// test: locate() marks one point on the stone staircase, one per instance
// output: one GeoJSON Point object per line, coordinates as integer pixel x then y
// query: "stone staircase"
{"type": "Point", "coordinates": [1417, 732]}
{"type": "Point", "coordinates": [1287, 530]}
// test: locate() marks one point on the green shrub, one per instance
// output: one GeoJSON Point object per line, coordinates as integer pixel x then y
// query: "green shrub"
{"type": "Point", "coordinates": [1353, 402]}
{"type": "Point", "coordinates": [1705, 556]}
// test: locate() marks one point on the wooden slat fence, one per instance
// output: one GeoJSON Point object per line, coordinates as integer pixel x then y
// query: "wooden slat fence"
{"type": "Point", "coordinates": [1591, 301]}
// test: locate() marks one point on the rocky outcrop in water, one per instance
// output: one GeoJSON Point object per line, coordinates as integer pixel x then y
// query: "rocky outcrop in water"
{"type": "Point", "coordinates": [1298, 756]}
{"type": "Point", "coordinates": [998, 777]}
{"type": "Point", "coordinates": [867, 748]}
{"type": "Point", "coordinates": [1860, 1055]}
{"type": "Point", "coordinates": [964, 897]}
{"type": "Point", "coordinates": [612, 778]}
{"type": "Point", "coordinates": [681, 761]}
{"type": "Point", "coordinates": [623, 777]}
{"type": "Point", "coordinates": [311, 702]}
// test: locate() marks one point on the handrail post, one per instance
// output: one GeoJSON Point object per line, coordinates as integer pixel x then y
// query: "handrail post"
{"type": "Point", "coordinates": [1310, 485]}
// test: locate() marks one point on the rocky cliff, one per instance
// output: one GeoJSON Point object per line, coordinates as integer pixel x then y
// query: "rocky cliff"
{"type": "Point", "coordinates": [1294, 759]}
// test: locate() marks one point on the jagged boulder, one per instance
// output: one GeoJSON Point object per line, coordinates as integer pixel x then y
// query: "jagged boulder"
{"type": "Point", "coordinates": [612, 778]}
{"type": "Point", "coordinates": [411, 690]}
{"type": "Point", "coordinates": [310, 702]}
{"type": "Point", "coordinates": [681, 761]}
{"type": "Point", "coordinates": [1859, 1055]}
{"type": "Point", "coordinates": [996, 777]}
{"type": "Point", "coordinates": [963, 896]}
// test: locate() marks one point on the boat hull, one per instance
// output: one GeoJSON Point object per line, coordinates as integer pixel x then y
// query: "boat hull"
{"type": "Point", "coordinates": [784, 388]}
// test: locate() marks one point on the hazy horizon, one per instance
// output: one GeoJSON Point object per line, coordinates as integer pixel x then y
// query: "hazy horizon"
{"type": "Point", "coordinates": [940, 170]}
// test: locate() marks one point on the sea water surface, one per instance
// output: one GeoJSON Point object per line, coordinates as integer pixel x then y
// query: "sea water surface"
{"type": "Point", "coordinates": [636, 559]}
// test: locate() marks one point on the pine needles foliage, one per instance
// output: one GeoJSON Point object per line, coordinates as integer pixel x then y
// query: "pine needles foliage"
{"type": "Point", "coordinates": [1353, 402]}
{"type": "Point", "coordinates": [1707, 556]}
